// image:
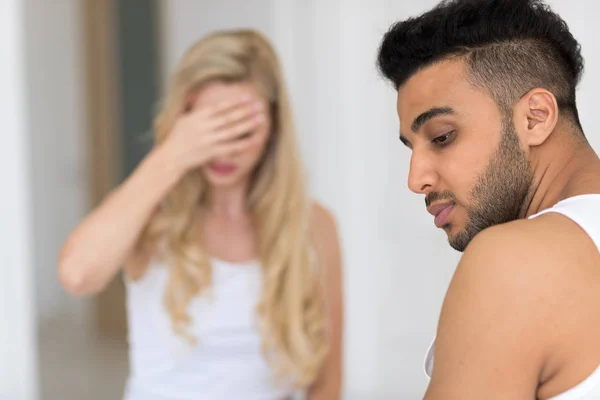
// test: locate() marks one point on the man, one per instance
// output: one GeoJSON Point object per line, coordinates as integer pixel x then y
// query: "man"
{"type": "Point", "coordinates": [486, 102]}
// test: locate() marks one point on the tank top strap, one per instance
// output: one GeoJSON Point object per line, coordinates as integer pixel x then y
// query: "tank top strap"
{"type": "Point", "coordinates": [584, 210]}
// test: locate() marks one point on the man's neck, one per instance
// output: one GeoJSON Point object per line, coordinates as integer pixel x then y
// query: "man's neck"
{"type": "Point", "coordinates": [563, 167]}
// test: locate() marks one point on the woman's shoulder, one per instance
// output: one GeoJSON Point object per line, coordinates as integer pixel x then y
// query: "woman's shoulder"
{"type": "Point", "coordinates": [322, 217]}
{"type": "Point", "coordinates": [326, 243]}
{"type": "Point", "coordinates": [324, 231]}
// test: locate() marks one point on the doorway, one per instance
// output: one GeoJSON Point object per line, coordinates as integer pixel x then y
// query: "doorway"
{"type": "Point", "coordinates": [123, 83]}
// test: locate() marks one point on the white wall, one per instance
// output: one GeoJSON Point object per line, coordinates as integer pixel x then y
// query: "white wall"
{"type": "Point", "coordinates": [182, 21]}
{"type": "Point", "coordinates": [43, 175]}
{"type": "Point", "coordinates": [397, 265]}
{"type": "Point", "coordinates": [17, 330]}
{"type": "Point", "coordinates": [580, 16]}
{"type": "Point", "coordinates": [57, 114]}
{"type": "Point", "coordinates": [346, 116]}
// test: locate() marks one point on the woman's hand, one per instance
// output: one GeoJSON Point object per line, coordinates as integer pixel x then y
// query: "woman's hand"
{"type": "Point", "coordinates": [204, 134]}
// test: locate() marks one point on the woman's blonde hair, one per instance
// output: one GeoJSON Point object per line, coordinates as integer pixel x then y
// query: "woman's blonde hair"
{"type": "Point", "coordinates": [291, 308]}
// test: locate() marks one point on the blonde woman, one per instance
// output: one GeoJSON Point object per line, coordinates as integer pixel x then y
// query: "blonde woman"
{"type": "Point", "coordinates": [233, 275]}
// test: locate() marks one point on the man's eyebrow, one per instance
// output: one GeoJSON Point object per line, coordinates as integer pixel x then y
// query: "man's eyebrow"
{"type": "Point", "coordinates": [405, 141]}
{"type": "Point", "coordinates": [428, 115]}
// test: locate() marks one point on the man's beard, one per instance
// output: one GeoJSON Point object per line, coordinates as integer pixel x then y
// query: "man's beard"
{"type": "Point", "coordinates": [500, 191]}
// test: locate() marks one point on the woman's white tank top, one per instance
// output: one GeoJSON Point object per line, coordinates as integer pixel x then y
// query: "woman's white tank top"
{"type": "Point", "coordinates": [584, 210]}
{"type": "Point", "coordinates": [225, 363]}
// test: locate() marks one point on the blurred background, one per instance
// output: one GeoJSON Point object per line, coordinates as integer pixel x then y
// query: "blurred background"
{"type": "Point", "coordinates": [79, 83]}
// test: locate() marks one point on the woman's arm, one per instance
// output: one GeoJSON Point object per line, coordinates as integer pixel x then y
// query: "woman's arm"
{"type": "Point", "coordinates": [97, 248]}
{"type": "Point", "coordinates": [329, 384]}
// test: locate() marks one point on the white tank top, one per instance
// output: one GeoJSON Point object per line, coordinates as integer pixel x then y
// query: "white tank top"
{"type": "Point", "coordinates": [584, 211]}
{"type": "Point", "coordinates": [226, 363]}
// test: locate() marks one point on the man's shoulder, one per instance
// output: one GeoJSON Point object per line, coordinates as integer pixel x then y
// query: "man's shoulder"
{"type": "Point", "coordinates": [512, 283]}
{"type": "Point", "coordinates": [515, 257]}
{"type": "Point", "coordinates": [534, 264]}
{"type": "Point", "coordinates": [550, 240]}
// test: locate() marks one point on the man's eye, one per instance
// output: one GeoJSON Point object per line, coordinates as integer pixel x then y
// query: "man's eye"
{"type": "Point", "coordinates": [444, 139]}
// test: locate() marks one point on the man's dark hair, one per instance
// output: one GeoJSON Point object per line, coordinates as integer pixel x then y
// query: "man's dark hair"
{"type": "Point", "coordinates": [509, 47]}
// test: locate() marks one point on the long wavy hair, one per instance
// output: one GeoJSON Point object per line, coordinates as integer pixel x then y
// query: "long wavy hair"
{"type": "Point", "coordinates": [291, 308]}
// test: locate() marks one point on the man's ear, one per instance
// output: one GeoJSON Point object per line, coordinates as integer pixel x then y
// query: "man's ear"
{"type": "Point", "coordinates": [536, 116]}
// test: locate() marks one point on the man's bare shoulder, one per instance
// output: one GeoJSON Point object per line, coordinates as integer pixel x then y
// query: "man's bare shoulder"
{"type": "Point", "coordinates": [531, 264]}
{"type": "Point", "coordinates": [548, 257]}
{"type": "Point", "coordinates": [521, 291]}
{"type": "Point", "coordinates": [550, 243]}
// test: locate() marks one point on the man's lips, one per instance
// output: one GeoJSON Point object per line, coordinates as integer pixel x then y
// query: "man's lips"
{"type": "Point", "coordinates": [441, 211]}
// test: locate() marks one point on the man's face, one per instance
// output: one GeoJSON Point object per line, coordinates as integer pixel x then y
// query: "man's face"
{"type": "Point", "coordinates": [466, 157]}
